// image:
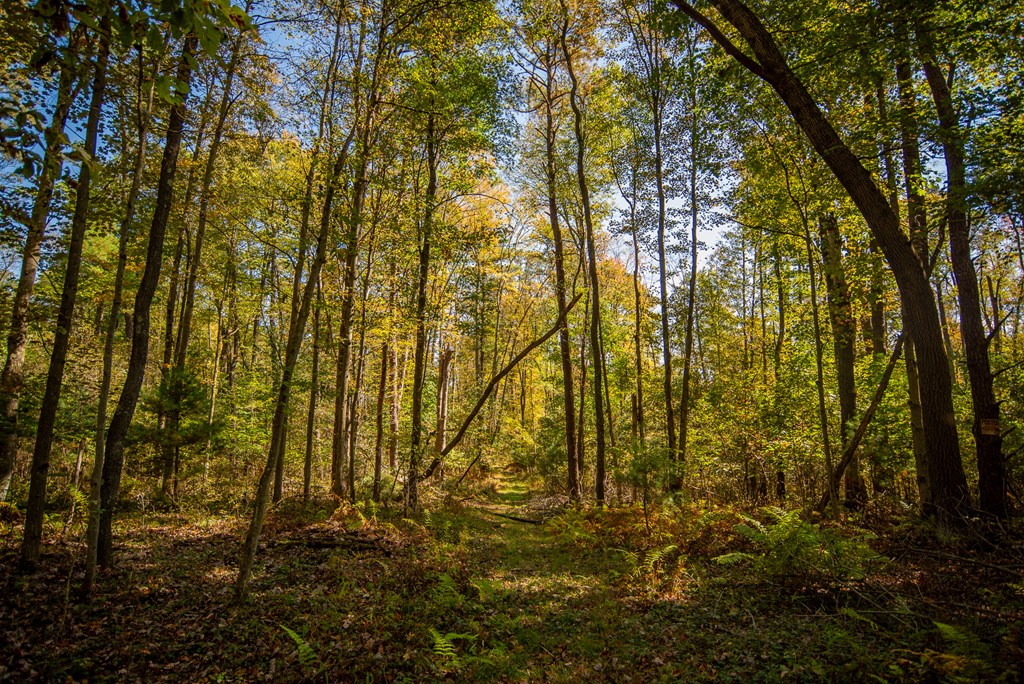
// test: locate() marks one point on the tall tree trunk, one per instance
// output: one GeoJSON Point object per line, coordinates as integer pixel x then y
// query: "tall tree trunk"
{"type": "Point", "coordinates": [917, 221]}
{"type": "Point", "coordinates": [314, 391]}
{"type": "Point", "coordinates": [398, 383]}
{"type": "Point", "coordinates": [170, 382]}
{"type": "Point", "coordinates": [691, 292]}
{"type": "Point", "coordinates": [987, 430]}
{"type": "Point", "coordinates": [950, 496]}
{"type": "Point", "coordinates": [144, 112]}
{"type": "Point", "coordinates": [595, 304]}
{"type": "Point", "coordinates": [423, 275]}
{"type": "Point", "coordinates": [12, 380]}
{"type": "Point", "coordinates": [118, 431]}
{"type": "Point", "coordinates": [65, 317]}
{"type": "Point", "coordinates": [844, 336]}
{"type": "Point", "coordinates": [819, 379]}
{"type": "Point", "coordinates": [443, 382]}
{"type": "Point", "coordinates": [341, 452]}
{"type": "Point", "coordinates": [378, 449]}
{"type": "Point", "coordinates": [639, 428]}
{"type": "Point", "coordinates": [195, 259]}
{"type": "Point", "coordinates": [572, 448]}
{"type": "Point", "coordinates": [354, 415]}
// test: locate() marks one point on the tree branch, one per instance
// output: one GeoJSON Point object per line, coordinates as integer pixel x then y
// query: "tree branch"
{"type": "Point", "coordinates": [750, 63]}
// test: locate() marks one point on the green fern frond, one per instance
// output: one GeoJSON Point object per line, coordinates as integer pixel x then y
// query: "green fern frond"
{"type": "Point", "coordinates": [446, 593]}
{"type": "Point", "coordinates": [307, 656]}
{"type": "Point", "coordinates": [485, 587]}
{"type": "Point", "coordinates": [656, 556]}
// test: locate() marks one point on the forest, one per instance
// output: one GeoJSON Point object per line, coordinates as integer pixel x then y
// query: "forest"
{"type": "Point", "coordinates": [511, 340]}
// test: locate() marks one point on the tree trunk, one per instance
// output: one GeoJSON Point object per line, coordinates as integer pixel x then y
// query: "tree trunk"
{"type": "Point", "coordinates": [65, 317]}
{"type": "Point", "coordinates": [398, 384]}
{"type": "Point", "coordinates": [195, 259]}
{"type": "Point", "coordinates": [12, 380]}
{"type": "Point", "coordinates": [691, 294]}
{"type": "Point", "coordinates": [572, 448]}
{"type": "Point", "coordinates": [96, 480]}
{"type": "Point", "coordinates": [595, 305]}
{"type": "Point", "coordinates": [296, 331]}
{"type": "Point", "coordinates": [987, 431]}
{"type": "Point", "coordinates": [844, 336]}
{"type": "Point", "coordinates": [314, 387]}
{"type": "Point", "coordinates": [170, 380]}
{"type": "Point", "coordinates": [423, 275]}
{"type": "Point", "coordinates": [443, 381]}
{"type": "Point", "coordinates": [819, 379]}
{"type": "Point", "coordinates": [639, 431]}
{"type": "Point", "coordinates": [118, 431]}
{"type": "Point", "coordinates": [378, 450]}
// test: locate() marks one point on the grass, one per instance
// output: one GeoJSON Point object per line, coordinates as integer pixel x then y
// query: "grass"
{"type": "Point", "coordinates": [462, 594]}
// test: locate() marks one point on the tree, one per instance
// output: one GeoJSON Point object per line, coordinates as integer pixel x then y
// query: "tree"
{"type": "Point", "coordinates": [69, 296]}
{"type": "Point", "coordinates": [950, 497]}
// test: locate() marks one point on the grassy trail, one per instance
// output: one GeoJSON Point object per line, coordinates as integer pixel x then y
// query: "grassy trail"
{"type": "Point", "coordinates": [464, 593]}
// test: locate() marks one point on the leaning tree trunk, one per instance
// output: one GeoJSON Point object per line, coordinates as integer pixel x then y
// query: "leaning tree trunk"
{"type": "Point", "coordinates": [950, 496]}
{"type": "Point", "coordinates": [296, 331]}
{"type": "Point", "coordinates": [122, 418]}
{"type": "Point", "coordinates": [69, 296]}
{"type": "Point", "coordinates": [96, 480]}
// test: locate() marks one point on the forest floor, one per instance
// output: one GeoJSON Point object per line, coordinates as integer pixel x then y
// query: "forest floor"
{"type": "Point", "coordinates": [509, 587]}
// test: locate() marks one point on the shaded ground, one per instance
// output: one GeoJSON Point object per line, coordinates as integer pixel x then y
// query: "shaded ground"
{"type": "Point", "coordinates": [465, 594]}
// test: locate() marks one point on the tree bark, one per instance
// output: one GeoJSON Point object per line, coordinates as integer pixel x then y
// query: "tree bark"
{"type": "Point", "coordinates": [296, 331]}
{"type": "Point", "coordinates": [314, 391]}
{"type": "Point", "coordinates": [691, 289]}
{"type": "Point", "coordinates": [378, 450]}
{"type": "Point", "coordinates": [65, 316]}
{"type": "Point", "coordinates": [144, 113]}
{"type": "Point", "coordinates": [844, 336]}
{"type": "Point", "coordinates": [12, 379]}
{"type": "Point", "coordinates": [118, 431]}
{"type": "Point", "coordinates": [565, 354]}
{"type": "Point", "coordinates": [595, 291]}
{"type": "Point", "coordinates": [987, 431]}
{"type": "Point", "coordinates": [419, 354]}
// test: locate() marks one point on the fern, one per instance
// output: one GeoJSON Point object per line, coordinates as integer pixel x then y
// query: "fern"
{"type": "Point", "coordinates": [444, 648]}
{"type": "Point", "coordinates": [485, 587]}
{"type": "Point", "coordinates": [446, 593]}
{"type": "Point", "coordinates": [655, 556]}
{"type": "Point", "coordinates": [787, 544]}
{"type": "Point", "coordinates": [307, 656]}
{"type": "Point", "coordinates": [631, 558]}
{"type": "Point", "coordinates": [962, 642]}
